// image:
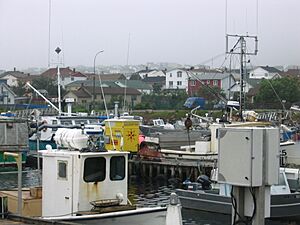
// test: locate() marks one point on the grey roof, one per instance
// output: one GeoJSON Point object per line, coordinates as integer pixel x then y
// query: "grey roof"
{"type": "Point", "coordinates": [17, 74]}
{"type": "Point", "coordinates": [86, 83]}
{"type": "Point", "coordinates": [270, 69]}
{"type": "Point", "coordinates": [209, 76]}
{"type": "Point", "coordinates": [154, 79]}
{"type": "Point", "coordinates": [137, 84]}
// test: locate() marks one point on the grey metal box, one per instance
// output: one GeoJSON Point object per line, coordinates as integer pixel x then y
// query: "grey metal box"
{"type": "Point", "coordinates": [248, 156]}
{"type": "Point", "coordinates": [13, 135]}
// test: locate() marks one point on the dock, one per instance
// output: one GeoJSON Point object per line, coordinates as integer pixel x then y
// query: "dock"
{"type": "Point", "coordinates": [173, 167]}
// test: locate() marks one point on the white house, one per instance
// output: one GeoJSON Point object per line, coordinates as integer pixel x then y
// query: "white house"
{"type": "Point", "coordinates": [177, 79]}
{"type": "Point", "coordinates": [7, 96]}
{"type": "Point", "coordinates": [12, 77]}
{"type": "Point", "coordinates": [151, 73]}
{"type": "Point", "coordinates": [266, 72]}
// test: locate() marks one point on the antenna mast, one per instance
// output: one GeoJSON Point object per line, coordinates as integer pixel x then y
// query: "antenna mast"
{"type": "Point", "coordinates": [241, 39]}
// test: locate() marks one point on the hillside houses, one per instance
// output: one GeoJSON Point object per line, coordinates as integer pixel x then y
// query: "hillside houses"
{"type": "Point", "coordinates": [223, 81]}
{"type": "Point", "coordinates": [264, 72]}
{"type": "Point", "coordinates": [67, 75]}
{"type": "Point", "coordinates": [12, 77]}
{"type": "Point", "coordinates": [83, 95]}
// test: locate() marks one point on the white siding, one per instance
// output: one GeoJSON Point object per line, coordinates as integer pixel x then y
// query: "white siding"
{"type": "Point", "coordinates": [178, 81]}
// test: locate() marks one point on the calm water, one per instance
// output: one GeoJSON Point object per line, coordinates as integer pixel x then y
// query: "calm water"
{"type": "Point", "coordinates": [142, 192]}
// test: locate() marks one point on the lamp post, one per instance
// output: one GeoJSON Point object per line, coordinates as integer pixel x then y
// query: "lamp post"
{"type": "Point", "coordinates": [58, 50]}
{"type": "Point", "coordinates": [94, 78]}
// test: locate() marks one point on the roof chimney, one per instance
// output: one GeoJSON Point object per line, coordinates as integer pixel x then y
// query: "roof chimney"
{"type": "Point", "coordinates": [74, 70]}
{"type": "Point", "coordinates": [14, 69]}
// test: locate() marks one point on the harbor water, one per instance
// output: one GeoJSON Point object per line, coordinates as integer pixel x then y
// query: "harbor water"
{"type": "Point", "coordinates": [142, 192]}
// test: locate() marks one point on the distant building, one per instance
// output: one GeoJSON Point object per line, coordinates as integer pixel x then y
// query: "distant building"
{"type": "Point", "coordinates": [264, 72]}
{"type": "Point", "coordinates": [107, 76]}
{"type": "Point", "coordinates": [85, 83]}
{"type": "Point", "coordinates": [67, 75]}
{"type": "Point", "coordinates": [7, 96]}
{"type": "Point", "coordinates": [84, 95]}
{"type": "Point", "coordinates": [12, 77]}
{"type": "Point", "coordinates": [141, 86]}
{"type": "Point", "coordinates": [292, 73]}
{"type": "Point", "coordinates": [222, 80]}
{"type": "Point", "coordinates": [177, 79]}
{"type": "Point", "coordinates": [151, 73]}
{"type": "Point", "coordinates": [156, 82]}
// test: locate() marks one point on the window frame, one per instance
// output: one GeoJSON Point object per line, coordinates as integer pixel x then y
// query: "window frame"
{"type": "Point", "coordinates": [103, 167]}
{"type": "Point", "coordinates": [111, 174]}
{"type": "Point", "coordinates": [59, 177]}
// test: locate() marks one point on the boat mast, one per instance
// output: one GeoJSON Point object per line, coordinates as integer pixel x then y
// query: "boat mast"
{"type": "Point", "coordinates": [241, 39]}
{"type": "Point", "coordinates": [58, 50]}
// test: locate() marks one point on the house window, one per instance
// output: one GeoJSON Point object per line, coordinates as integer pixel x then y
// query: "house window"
{"type": "Point", "coordinates": [8, 100]}
{"type": "Point", "coordinates": [117, 168]}
{"type": "Point", "coordinates": [171, 83]}
{"type": "Point", "coordinates": [62, 169]}
{"type": "Point", "coordinates": [170, 74]}
{"type": "Point", "coordinates": [193, 83]}
{"type": "Point", "coordinates": [215, 82]}
{"type": "Point", "coordinates": [179, 74]}
{"type": "Point", "coordinates": [83, 101]}
{"type": "Point", "coordinates": [94, 169]}
{"type": "Point", "coordinates": [179, 83]}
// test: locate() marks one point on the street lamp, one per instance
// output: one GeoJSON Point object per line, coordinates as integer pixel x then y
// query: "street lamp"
{"type": "Point", "coordinates": [94, 80]}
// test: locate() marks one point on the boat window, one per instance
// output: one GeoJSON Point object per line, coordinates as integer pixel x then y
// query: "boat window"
{"type": "Point", "coordinates": [62, 170]}
{"type": "Point", "coordinates": [117, 168]}
{"type": "Point", "coordinates": [93, 121]}
{"type": "Point", "coordinates": [78, 122]}
{"type": "Point", "coordinates": [66, 122]}
{"type": "Point", "coordinates": [94, 169]}
{"type": "Point", "coordinates": [54, 122]}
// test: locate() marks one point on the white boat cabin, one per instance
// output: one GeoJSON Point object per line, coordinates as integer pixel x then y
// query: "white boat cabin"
{"type": "Point", "coordinates": [75, 181]}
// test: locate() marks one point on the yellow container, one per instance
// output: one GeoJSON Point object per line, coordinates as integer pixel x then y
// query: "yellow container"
{"type": "Point", "coordinates": [124, 133]}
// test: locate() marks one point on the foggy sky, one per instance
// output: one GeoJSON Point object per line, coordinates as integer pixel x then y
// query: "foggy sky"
{"type": "Point", "coordinates": [181, 31]}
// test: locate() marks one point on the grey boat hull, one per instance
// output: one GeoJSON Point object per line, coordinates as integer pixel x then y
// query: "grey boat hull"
{"type": "Point", "coordinates": [282, 206]}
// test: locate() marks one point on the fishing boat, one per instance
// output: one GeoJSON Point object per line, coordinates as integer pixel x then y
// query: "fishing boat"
{"type": "Point", "coordinates": [89, 182]}
{"type": "Point", "coordinates": [285, 200]}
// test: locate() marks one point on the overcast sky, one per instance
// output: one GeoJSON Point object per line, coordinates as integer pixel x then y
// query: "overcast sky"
{"type": "Point", "coordinates": [181, 31]}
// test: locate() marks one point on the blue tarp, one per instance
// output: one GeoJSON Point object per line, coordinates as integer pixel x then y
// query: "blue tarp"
{"type": "Point", "coordinates": [193, 102]}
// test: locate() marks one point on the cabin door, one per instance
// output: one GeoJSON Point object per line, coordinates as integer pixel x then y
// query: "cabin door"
{"type": "Point", "coordinates": [64, 185]}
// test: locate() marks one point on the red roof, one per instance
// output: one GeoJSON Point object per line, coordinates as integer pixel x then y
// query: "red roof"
{"type": "Point", "coordinates": [64, 72]}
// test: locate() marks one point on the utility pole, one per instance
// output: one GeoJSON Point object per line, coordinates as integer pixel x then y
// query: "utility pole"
{"type": "Point", "coordinates": [241, 39]}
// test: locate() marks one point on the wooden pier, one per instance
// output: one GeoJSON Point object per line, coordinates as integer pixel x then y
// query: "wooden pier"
{"type": "Point", "coordinates": [173, 167]}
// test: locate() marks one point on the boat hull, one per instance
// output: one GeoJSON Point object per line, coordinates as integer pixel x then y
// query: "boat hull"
{"type": "Point", "coordinates": [282, 206]}
{"type": "Point", "coordinates": [142, 216]}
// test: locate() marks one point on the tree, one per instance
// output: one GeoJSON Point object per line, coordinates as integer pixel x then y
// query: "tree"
{"type": "Point", "coordinates": [47, 84]}
{"type": "Point", "coordinates": [273, 91]}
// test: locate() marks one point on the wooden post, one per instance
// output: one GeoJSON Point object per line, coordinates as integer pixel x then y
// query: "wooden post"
{"type": "Point", "coordinates": [143, 169]}
{"type": "Point", "coordinates": [166, 170]}
{"type": "Point", "coordinates": [180, 172]}
{"type": "Point", "coordinates": [172, 171]}
{"type": "Point", "coordinates": [238, 193]}
{"type": "Point", "coordinates": [259, 217]}
{"type": "Point", "coordinates": [150, 170]}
